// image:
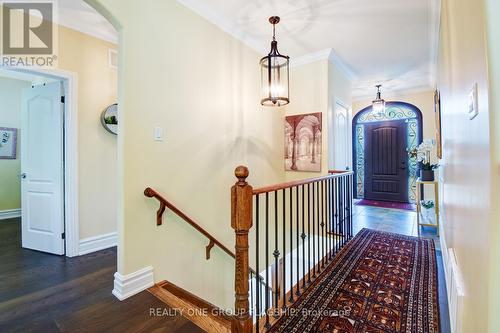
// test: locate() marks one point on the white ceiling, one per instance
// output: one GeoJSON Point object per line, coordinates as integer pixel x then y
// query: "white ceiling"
{"type": "Point", "coordinates": [393, 42]}
{"type": "Point", "coordinates": [78, 15]}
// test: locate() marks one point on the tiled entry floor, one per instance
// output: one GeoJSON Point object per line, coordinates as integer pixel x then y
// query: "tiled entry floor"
{"type": "Point", "coordinates": [404, 222]}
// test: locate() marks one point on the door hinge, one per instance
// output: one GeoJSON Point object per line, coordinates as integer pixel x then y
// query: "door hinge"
{"type": "Point", "coordinates": [63, 99]}
{"type": "Point", "coordinates": [63, 235]}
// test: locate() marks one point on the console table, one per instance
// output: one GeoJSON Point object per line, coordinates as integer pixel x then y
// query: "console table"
{"type": "Point", "coordinates": [420, 184]}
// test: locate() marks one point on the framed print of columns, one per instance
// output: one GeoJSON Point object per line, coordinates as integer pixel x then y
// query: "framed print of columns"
{"type": "Point", "coordinates": [394, 111]}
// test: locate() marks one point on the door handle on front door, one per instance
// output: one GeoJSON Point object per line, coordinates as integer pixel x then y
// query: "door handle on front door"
{"type": "Point", "coordinates": [403, 165]}
{"type": "Point", "coordinates": [23, 175]}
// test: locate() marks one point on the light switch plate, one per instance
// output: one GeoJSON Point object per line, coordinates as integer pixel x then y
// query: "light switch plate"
{"type": "Point", "coordinates": [158, 133]}
{"type": "Point", "coordinates": [472, 107]}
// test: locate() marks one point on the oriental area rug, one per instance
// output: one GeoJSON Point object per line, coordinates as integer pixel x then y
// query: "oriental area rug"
{"type": "Point", "coordinates": [379, 282]}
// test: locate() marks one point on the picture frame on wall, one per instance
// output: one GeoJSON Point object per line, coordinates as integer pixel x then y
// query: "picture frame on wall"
{"type": "Point", "coordinates": [303, 142]}
{"type": "Point", "coordinates": [8, 143]}
{"type": "Point", "coordinates": [437, 114]}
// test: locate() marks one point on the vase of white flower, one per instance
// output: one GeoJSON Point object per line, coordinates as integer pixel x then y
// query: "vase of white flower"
{"type": "Point", "coordinates": [423, 155]}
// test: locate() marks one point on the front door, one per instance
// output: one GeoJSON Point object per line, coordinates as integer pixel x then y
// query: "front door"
{"type": "Point", "coordinates": [42, 169]}
{"type": "Point", "coordinates": [386, 177]}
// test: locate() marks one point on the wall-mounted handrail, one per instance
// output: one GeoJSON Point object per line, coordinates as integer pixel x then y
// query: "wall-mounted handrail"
{"type": "Point", "coordinates": [272, 188]}
{"type": "Point", "coordinates": [150, 193]}
{"type": "Point", "coordinates": [164, 203]}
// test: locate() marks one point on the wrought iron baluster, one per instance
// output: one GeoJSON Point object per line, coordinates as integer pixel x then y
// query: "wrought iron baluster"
{"type": "Point", "coordinates": [298, 242]}
{"type": "Point", "coordinates": [314, 228]}
{"type": "Point", "coordinates": [267, 325]}
{"type": "Point", "coordinates": [309, 233]}
{"type": "Point", "coordinates": [291, 245]}
{"type": "Point", "coordinates": [323, 224]}
{"type": "Point", "coordinates": [303, 239]}
{"type": "Point", "coordinates": [276, 255]}
{"type": "Point", "coordinates": [284, 248]}
{"type": "Point", "coordinates": [257, 272]}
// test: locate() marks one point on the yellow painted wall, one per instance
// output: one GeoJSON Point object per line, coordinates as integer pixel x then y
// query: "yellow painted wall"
{"type": "Point", "coordinates": [469, 194]}
{"type": "Point", "coordinates": [316, 87]}
{"type": "Point", "coordinates": [87, 57]}
{"type": "Point", "coordinates": [97, 159]}
{"type": "Point", "coordinates": [10, 116]}
{"type": "Point", "coordinates": [309, 94]}
{"type": "Point", "coordinates": [182, 73]}
{"type": "Point", "coordinates": [493, 38]}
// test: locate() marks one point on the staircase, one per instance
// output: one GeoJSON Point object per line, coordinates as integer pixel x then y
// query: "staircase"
{"type": "Point", "coordinates": [298, 228]}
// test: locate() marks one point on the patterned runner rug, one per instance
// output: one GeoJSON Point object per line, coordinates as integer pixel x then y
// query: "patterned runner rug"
{"type": "Point", "coordinates": [380, 282]}
{"type": "Point", "coordinates": [386, 204]}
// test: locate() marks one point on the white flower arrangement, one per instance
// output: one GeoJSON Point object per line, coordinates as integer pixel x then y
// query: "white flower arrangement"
{"type": "Point", "coordinates": [423, 154]}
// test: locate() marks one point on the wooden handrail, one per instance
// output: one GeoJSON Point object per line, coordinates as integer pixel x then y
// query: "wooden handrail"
{"type": "Point", "coordinates": [337, 171]}
{"type": "Point", "coordinates": [150, 193]}
{"type": "Point", "coordinates": [296, 183]}
{"type": "Point", "coordinates": [164, 203]}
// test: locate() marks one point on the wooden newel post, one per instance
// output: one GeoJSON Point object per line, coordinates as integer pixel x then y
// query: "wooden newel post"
{"type": "Point", "coordinates": [241, 222]}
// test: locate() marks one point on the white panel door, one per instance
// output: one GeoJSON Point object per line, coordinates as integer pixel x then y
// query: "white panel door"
{"type": "Point", "coordinates": [42, 184]}
{"type": "Point", "coordinates": [341, 143]}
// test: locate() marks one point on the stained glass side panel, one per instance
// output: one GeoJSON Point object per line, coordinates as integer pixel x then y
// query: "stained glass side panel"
{"type": "Point", "coordinates": [360, 160]}
{"type": "Point", "coordinates": [412, 142]}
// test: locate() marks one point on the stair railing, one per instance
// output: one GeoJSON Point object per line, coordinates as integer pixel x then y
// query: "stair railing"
{"type": "Point", "coordinates": [299, 228]}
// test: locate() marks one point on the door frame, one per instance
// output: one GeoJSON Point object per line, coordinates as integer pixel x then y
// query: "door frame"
{"type": "Point", "coordinates": [358, 114]}
{"type": "Point", "coordinates": [70, 84]}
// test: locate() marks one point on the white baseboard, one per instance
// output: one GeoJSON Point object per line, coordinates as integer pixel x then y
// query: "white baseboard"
{"type": "Point", "coordinates": [454, 284]}
{"type": "Point", "coordinates": [10, 214]}
{"type": "Point", "coordinates": [97, 243]}
{"type": "Point", "coordinates": [133, 283]}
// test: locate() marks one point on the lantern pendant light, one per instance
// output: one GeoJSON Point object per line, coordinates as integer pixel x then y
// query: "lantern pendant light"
{"type": "Point", "coordinates": [274, 74]}
{"type": "Point", "coordinates": [378, 106]}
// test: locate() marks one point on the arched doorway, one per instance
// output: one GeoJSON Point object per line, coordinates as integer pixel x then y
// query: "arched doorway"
{"type": "Point", "coordinates": [382, 167]}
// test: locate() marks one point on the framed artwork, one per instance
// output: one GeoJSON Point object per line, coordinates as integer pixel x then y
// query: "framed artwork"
{"type": "Point", "coordinates": [8, 143]}
{"type": "Point", "coordinates": [437, 111]}
{"type": "Point", "coordinates": [303, 142]}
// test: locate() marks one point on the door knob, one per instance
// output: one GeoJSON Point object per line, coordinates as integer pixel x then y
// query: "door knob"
{"type": "Point", "coordinates": [23, 175]}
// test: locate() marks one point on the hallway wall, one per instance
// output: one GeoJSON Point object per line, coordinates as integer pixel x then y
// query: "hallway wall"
{"type": "Point", "coordinates": [182, 73]}
{"type": "Point", "coordinates": [10, 116]}
{"type": "Point", "coordinates": [469, 196]}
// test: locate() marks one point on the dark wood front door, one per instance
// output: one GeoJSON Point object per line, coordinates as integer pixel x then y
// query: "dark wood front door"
{"type": "Point", "coordinates": [386, 160]}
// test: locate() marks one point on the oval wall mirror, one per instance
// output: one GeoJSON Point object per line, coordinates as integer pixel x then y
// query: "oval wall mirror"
{"type": "Point", "coordinates": [109, 119]}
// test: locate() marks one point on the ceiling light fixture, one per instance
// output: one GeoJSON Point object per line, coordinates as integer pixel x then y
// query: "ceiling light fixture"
{"type": "Point", "coordinates": [274, 74]}
{"type": "Point", "coordinates": [378, 106]}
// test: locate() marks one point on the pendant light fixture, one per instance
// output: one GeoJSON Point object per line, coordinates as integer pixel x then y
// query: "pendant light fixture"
{"type": "Point", "coordinates": [274, 74]}
{"type": "Point", "coordinates": [378, 106]}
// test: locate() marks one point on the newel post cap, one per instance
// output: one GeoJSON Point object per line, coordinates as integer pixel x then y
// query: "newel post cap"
{"type": "Point", "coordinates": [241, 172]}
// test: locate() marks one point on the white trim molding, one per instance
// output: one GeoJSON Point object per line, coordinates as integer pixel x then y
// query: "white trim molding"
{"type": "Point", "coordinates": [10, 214]}
{"type": "Point", "coordinates": [128, 285]}
{"type": "Point", "coordinates": [454, 283]}
{"type": "Point", "coordinates": [70, 81]}
{"type": "Point", "coordinates": [97, 243]}
{"type": "Point", "coordinates": [326, 54]}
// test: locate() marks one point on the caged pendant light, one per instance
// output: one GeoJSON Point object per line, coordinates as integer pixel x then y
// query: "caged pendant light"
{"type": "Point", "coordinates": [378, 106]}
{"type": "Point", "coordinates": [275, 74]}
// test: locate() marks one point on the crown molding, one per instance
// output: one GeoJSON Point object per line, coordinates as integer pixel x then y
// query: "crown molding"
{"type": "Point", "coordinates": [310, 58]}
{"type": "Point", "coordinates": [326, 54]}
{"type": "Point", "coordinates": [204, 11]}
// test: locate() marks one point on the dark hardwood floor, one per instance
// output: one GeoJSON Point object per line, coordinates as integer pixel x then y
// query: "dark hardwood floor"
{"type": "Point", "coordinates": [45, 293]}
